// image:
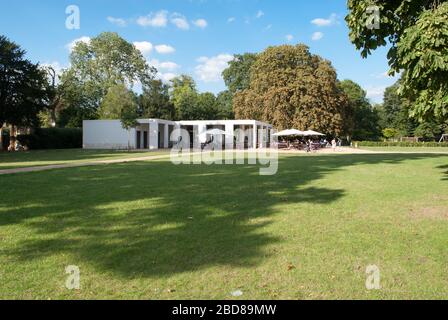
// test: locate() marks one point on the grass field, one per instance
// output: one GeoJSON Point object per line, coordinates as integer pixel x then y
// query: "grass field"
{"type": "Point", "coordinates": [54, 157]}
{"type": "Point", "coordinates": [152, 230]}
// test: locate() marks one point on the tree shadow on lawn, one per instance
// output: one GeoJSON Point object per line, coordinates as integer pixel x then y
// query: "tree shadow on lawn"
{"type": "Point", "coordinates": [445, 172]}
{"type": "Point", "coordinates": [154, 219]}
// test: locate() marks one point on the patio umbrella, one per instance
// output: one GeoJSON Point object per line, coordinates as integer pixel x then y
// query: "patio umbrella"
{"type": "Point", "coordinates": [288, 133]}
{"type": "Point", "coordinates": [311, 133]}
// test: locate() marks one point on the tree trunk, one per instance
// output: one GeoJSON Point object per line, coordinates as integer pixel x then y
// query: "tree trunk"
{"type": "Point", "coordinates": [12, 138]}
{"type": "Point", "coordinates": [1, 136]}
{"type": "Point", "coordinates": [129, 140]}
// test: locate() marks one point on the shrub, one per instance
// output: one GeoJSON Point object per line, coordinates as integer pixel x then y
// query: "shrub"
{"type": "Point", "coordinates": [401, 144]}
{"type": "Point", "coordinates": [52, 138]}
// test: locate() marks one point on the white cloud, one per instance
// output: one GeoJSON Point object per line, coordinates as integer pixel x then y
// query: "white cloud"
{"type": "Point", "coordinates": [231, 19]}
{"type": "Point", "coordinates": [376, 93]}
{"type": "Point", "coordinates": [268, 27]}
{"type": "Point", "coordinates": [166, 77]}
{"type": "Point", "coordinates": [70, 46]}
{"type": "Point", "coordinates": [167, 65]}
{"type": "Point", "coordinates": [317, 36]}
{"type": "Point", "coordinates": [201, 23]}
{"type": "Point", "coordinates": [117, 21]}
{"type": "Point", "coordinates": [210, 69]}
{"type": "Point", "coordinates": [321, 22]}
{"type": "Point", "coordinates": [145, 47]}
{"type": "Point", "coordinates": [289, 37]}
{"type": "Point", "coordinates": [180, 21]}
{"type": "Point", "coordinates": [164, 49]}
{"type": "Point", "coordinates": [259, 14]}
{"type": "Point", "coordinates": [157, 20]}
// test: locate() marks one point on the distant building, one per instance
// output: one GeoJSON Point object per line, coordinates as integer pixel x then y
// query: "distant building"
{"type": "Point", "coordinates": [154, 134]}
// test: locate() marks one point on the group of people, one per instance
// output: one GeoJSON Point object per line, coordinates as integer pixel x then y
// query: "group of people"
{"type": "Point", "coordinates": [313, 145]}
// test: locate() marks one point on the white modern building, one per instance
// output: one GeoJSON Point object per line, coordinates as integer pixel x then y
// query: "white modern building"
{"type": "Point", "coordinates": [154, 134]}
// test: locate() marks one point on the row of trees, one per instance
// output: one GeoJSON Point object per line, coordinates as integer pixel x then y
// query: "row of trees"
{"type": "Point", "coordinates": [98, 85]}
{"type": "Point", "coordinates": [103, 70]}
{"type": "Point", "coordinates": [290, 87]}
{"type": "Point", "coordinates": [286, 85]}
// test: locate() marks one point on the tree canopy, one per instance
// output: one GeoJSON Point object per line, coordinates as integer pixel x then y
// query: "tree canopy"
{"type": "Point", "coordinates": [364, 123]}
{"type": "Point", "coordinates": [417, 32]}
{"type": "Point", "coordinates": [290, 87]}
{"type": "Point", "coordinates": [98, 65]}
{"type": "Point", "coordinates": [155, 102]}
{"type": "Point", "coordinates": [237, 75]}
{"type": "Point", "coordinates": [116, 100]}
{"type": "Point", "coordinates": [22, 86]}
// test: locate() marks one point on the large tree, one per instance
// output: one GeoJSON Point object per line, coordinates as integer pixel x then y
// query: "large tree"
{"type": "Point", "coordinates": [237, 75]}
{"type": "Point", "coordinates": [365, 122]}
{"type": "Point", "coordinates": [184, 96]}
{"type": "Point", "coordinates": [290, 87]}
{"type": "Point", "coordinates": [394, 112]}
{"type": "Point", "coordinates": [117, 98]}
{"type": "Point", "coordinates": [96, 66]}
{"type": "Point", "coordinates": [417, 32]}
{"type": "Point", "coordinates": [22, 88]}
{"type": "Point", "coordinates": [155, 102]}
{"type": "Point", "coordinates": [225, 105]}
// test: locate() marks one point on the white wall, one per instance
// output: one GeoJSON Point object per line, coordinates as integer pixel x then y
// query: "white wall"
{"type": "Point", "coordinates": [106, 134]}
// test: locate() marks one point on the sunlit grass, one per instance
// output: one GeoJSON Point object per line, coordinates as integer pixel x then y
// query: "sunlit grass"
{"type": "Point", "coordinates": [153, 230]}
{"type": "Point", "coordinates": [55, 157]}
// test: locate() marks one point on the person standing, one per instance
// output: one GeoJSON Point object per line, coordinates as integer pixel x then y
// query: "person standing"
{"type": "Point", "coordinates": [334, 144]}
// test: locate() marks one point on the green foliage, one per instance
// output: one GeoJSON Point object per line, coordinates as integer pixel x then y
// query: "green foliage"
{"type": "Point", "coordinates": [105, 61]}
{"type": "Point", "coordinates": [116, 100]}
{"type": "Point", "coordinates": [427, 130]}
{"type": "Point", "coordinates": [365, 120]}
{"type": "Point", "coordinates": [52, 138]}
{"type": "Point", "coordinates": [191, 105]}
{"type": "Point", "coordinates": [154, 102]}
{"type": "Point", "coordinates": [237, 75]}
{"type": "Point", "coordinates": [401, 144]}
{"type": "Point", "coordinates": [128, 117]}
{"type": "Point", "coordinates": [184, 97]}
{"type": "Point", "coordinates": [418, 34]}
{"type": "Point", "coordinates": [22, 87]}
{"type": "Point", "coordinates": [290, 87]}
{"type": "Point", "coordinates": [390, 133]}
{"type": "Point", "coordinates": [423, 52]}
{"type": "Point", "coordinates": [394, 112]}
{"type": "Point", "coordinates": [225, 105]}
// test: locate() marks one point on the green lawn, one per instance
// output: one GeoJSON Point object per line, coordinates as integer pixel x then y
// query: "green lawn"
{"type": "Point", "coordinates": [153, 230]}
{"type": "Point", "coordinates": [54, 157]}
{"type": "Point", "coordinates": [407, 149]}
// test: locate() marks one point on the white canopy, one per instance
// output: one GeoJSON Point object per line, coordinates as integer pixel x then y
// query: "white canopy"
{"type": "Point", "coordinates": [290, 132]}
{"type": "Point", "coordinates": [217, 132]}
{"type": "Point", "coordinates": [311, 133]}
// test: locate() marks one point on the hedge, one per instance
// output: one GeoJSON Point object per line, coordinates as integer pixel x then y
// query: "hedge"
{"type": "Point", "coordinates": [52, 138]}
{"type": "Point", "coordinates": [401, 144]}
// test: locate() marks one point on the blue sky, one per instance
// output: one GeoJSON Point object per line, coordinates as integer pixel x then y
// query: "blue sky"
{"type": "Point", "coordinates": [196, 37]}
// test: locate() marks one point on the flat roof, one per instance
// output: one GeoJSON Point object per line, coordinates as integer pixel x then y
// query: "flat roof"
{"type": "Point", "coordinates": [198, 122]}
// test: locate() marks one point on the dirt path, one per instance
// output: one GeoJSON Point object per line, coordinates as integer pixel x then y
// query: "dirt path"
{"type": "Point", "coordinates": [167, 156]}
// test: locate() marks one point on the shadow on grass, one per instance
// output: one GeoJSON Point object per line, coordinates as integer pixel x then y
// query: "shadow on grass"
{"type": "Point", "coordinates": [445, 172]}
{"type": "Point", "coordinates": [63, 155]}
{"type": "Point", "coordinates": [154, 219]}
